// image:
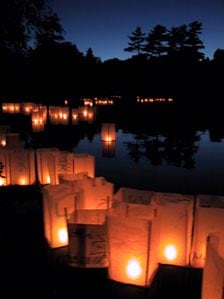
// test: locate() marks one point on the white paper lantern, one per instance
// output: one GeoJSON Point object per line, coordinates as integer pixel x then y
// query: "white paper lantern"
{"type": "Point", "coordinates": [131, 250]}
{"type": "Point", "coordinates": [88, 239]}
{"type": "Point", "coordinates": [213, 273]}
{"type": "Point", "coordinates": [209, 219]}
{"type": "Point", "coordinates": [174, 227]}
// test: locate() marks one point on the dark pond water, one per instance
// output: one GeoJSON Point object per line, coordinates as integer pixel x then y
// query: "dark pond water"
{"type": "Point", "coordinates": [168, 149]}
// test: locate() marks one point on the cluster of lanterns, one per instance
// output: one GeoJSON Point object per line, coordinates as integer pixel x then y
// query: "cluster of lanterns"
{"type": "Point", "coordinates": [131, 231]}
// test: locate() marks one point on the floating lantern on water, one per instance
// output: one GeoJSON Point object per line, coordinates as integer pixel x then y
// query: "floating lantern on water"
{"type": "Point", "coordinates": [108, 138]}
{"type": "Point", "coordinates": [108, 132]}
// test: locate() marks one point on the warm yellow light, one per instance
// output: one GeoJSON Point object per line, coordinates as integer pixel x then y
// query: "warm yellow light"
{"type": "Point", "coordinates": [3, 142]}
{"type": "Point", "coordinates": [48, 179]}
{"type": "Point", "coordinates": [23, 182]}
{"type": "Point", "coordinates": [108, 139]}
{"type": "Point", "coordinates": [170, 252]}
{"type": "Point", "coordinates": [133, 269]}
{"type": "Point", "coordinates": [63, 235]}
{"type": "Point", "coordinates": [1, 182]}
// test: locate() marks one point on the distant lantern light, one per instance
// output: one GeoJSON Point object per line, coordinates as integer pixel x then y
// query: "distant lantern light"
{"type": "Point", "coordinates": [170, 252]}
{"type": "Point", "coordinates": [133, 269]}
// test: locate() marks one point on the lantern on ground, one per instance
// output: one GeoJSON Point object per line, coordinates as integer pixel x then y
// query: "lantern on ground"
{"type": "Point", "coordinates": [213, 273]}
{"type": "Point", "coordinates": [43, 158]}
{"type": "Point", "coordinates": [87, 239]}
{"type": "Point", "coordinates": [209, 219]}
{"type": "Point", "coordinates": [174, 227]}
{"type": "Point", "coordinates": [19, 166]}
{"type": "Point", "coordinates": [129, 202]}
{"type": "Point", "coordinates": [60, 162]}
{"type": "Point", "coordinates": [58, 203]}
{"type": "Point", "coordinates": [84, 163]}
{"type": "Point", "coordinates": [131, 250]}
{"type": "Point", "coordinates": [96, 194]}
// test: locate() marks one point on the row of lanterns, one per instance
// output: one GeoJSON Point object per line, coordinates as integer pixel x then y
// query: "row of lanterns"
{"type": "Point", "coordinates": [131, 231]}
{"type": "Point", "coordinates": [26, 166]}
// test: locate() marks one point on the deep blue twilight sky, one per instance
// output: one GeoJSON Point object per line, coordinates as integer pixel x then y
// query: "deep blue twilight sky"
{"type": "Point", "coordinates": [104, 25]}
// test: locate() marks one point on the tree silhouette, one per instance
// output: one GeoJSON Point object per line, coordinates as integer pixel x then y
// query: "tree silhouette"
{"type": "Point", "coordinates": [137, 39]}
{"type": "Point", "coordinates": [22, 22]}
{"type": "Point", "coordinates": [184, 42]}
{"type": "Point", "coordinates": [90, 57]}
{"type": "Point", "coordinates": [156, 41]}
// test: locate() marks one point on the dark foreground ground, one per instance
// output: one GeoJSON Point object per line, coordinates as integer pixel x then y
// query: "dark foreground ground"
{"type": "Point", "coordinates": [29, 269]}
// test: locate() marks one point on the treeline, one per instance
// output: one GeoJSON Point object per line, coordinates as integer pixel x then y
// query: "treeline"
{"type": "Point", "coordinates": [36, 59]}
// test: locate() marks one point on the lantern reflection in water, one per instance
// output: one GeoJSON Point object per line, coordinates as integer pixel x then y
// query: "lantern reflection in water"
{"type": "Point", "coordinates": [108, 148]}
{"type": "Point", "coordinates": [108, 138]}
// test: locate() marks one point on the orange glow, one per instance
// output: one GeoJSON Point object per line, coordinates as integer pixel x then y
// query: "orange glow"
{"type": "Point", "coordinates": [108, 139]}
{"type": "Point", "coordinates": [170, 252]}
{"type": "Point", "coordinates": [22, 181]}
{"type": "Point", "coordinates": [63, 235]}
{"type": "Point", "coordinates": [3, 142]}
{"type": "Point", "coordinates": [48, 179]}
{"type": "Point", "coordinates": [133, 269]}
{"type": "Point", "coordinates": [1, 182]}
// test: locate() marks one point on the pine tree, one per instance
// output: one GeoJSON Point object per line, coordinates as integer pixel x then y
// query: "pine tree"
{"type": "Point", "coordinates": [156, 41]}
{"type": "Point", "coordinates": [137, 41]}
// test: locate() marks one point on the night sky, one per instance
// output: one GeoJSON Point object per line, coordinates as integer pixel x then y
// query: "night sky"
{"type": "Point", "coordinates": [104, 25]}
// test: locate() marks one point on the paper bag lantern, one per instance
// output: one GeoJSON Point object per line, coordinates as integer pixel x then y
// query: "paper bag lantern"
{"type": "Point", "coordinates": [131, 250]}
{"type": "Point", "coordinates": [60, 162]}
{"type": "Point", "coordinates": [174, 227]}
{"type": "Point", "coordinates": [58, 203]}
{"type": "Point", "coordinates": [18, 166]}
{"type": "Point", "coordinates": [108, 132]}
{"type": "Point", "coordinates": [87, 239]}
{"type": "Point", "coordinates": [84, 163]}
{"type": "Point", "coordinates": [43, 167]}
{"type": "Point", "coordinates": [213, 273]}
{"type": "Point", "coordinates": [96, 193]}
{"type": "Point", "coordinates": [209, 219]}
